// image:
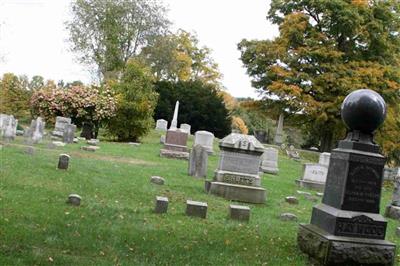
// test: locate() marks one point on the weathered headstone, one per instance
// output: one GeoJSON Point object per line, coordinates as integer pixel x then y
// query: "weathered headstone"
{"type": "Point", "coordinates": [347, 228]}
{"type": "Point", "coordinates": [162, 125]}
{"type": "Point", "coordinates": [74, 199]}
{"type": "Point", "coordinates": [205, 139]}
{"type": "Point", "coordinates": [69, 133]}
{"type": "Point", "coordinates": [292, 200]}
{"type": "Point", "coordinates": [198, 160]}
{"type": "Point", "coordinates": [196, 209]}
{"type": "Point", "coordinates": [36, 131]}
{"type": "Point", "coordinates": [93, 142]}
{"type": "Point", "coordinates": [185, 128]}
{"type": "Point", "coordinates": [30, 150]}
{"type": "Point", "coordinates": [269, 161]}
{"type": "Point", "coordinates": [240, 213]}
{"type": "Point", "coordinates": [237, 176]}
{"type": "Point", "coordinates": [393, 209]}
{"type": "Point", "coordinates": [10, 127]}
{"type": "Point", "coordinates": [161, 205]}
{"type": "Point", "coordinates": [287, 216]}
{"type": "Point", "coordinates": [63, 161]}
{"type": "Point", "coordinates": [324, 158]}
{"type": "Point", "coordinates": [175, 145]}
{"type": "Point", "coordinates": [314, 176]}
{"type": "Point", "coordinates": [261, 135]}
{"type": "Point", "coordinates": [90, 148]}
{"type": "Point", "coordinates": [59, 126]}
{"type": "Point", "coordinates": [157, 180]}
{"type": "Point", "coordinates": [278, 140]}
{"type": "Point", "coordinates": [87, 130]}
{"type": "Point", "coordinates": [162, 139]}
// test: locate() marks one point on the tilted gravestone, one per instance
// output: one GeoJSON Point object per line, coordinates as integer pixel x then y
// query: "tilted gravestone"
{"type": "Point", "coordinates": [205, 139]}
{"type": "Point", "coordinates": [69, 133]}
{"type": "Point", "coordinates": [269, 161]}
{"type": "Point", "coordinates": [36, 131]}
{"type": "Point", "coordinates": [237, 176]}
{"type": "Point", "coordinates": [162, 125]}
{"type": "Point", "coordinates": [198, 160]}
{"type": "Point", "coordinates": [347, 228]}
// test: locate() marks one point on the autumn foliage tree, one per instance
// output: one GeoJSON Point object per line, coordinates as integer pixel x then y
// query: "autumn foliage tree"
{"type": "Point", "coordinates": [325, 50]}
{"type": "Point", "coordinates": [14, 96]}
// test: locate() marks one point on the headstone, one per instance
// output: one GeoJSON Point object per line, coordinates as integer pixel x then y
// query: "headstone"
{"type": "Point", "coordinates": [175, 145]}
{"type": "Point", "coordinates": [162, 125]}
{"type": "Point", "coordinates": [69, 133]}
{"type": "Point", "coordinates": [393, 209]}
{"type": "Point", "coordinates": [63, 161]}
{"type": "Point", "coordinates": [240, 213]}
{"type": "Point", "coordinates": [174, 122]}
{"type": "Point", "coordinates": [30, 150]}
{"type": "Point", "coordinates": [398, 231]}
{"type": "Point", "coordinates": [185, 128]}
{"type": "Point", "coordinates": [292, 200]}
{"type": "Point", "coordinates": [196, 209]}
{"type": "Point", "coordinates": [36, 131]}
{"type": "Point", "coordinates": [287, 216]}
{"type": "Point", "coordinates": [314, 176]}
{"type": "Point", "coordinates": [59, 126]}
{"type": "Point", "coordinates": [87, 130]}
{"type": "Point", "coordinates": [76, 140]}
{"type": "Point", "coordinates": [198, 160]}
{"type": "Point", "coordinates": [390, 173]}
{"type": "Point", "coordinates": [293, 154]}
{"type": "Point", "coordinates": [10, 127]}
{"type": "Point", "coordinates": [161, 205]}
{"type": "Point", "coordinates": [237, 176]}
{"type": "Point", "coordinates": [74, 199]}
{"type": "Point", "coordinates": [3, 118]}
{"type": "Point", "coordinates": [162, 139]}
{"type": "Point", "coordinates": [269, 161]}
{"type": "Point", "coordinates": [157, 180]}
{"type": "Point", "coordinates": [324, 159]}
{"type": "Point", "coordinates": [19, 132]}
{"type": "Point", "coordinates": [348, 224]}
{"type": "Point", "coordinates": [58, 143]}
{"type": "Point", "coordinates": [93, 142]}
{"type": "Point", "coordinates": [90, 148]}
{"type": "Point", "coordinates": [205, 139]}
{"type": "Point", "coordinates": [261, 135]}
{"type": "Point", "coordinates": [278, 140]}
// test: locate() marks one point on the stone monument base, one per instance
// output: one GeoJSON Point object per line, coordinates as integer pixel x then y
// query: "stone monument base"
{"type": "Point", "coordinates": [326, 249]}
{"type": "Point", "coordinates": [269, 170]}
{"type": "Point", "coordinates": [174, 154]}
{"type": "Point", "coordinates": [238, 192]}
{"type": "Point", "coordinates": [310, 184]}
{"type": "Point", "coordinates": [392, 212]}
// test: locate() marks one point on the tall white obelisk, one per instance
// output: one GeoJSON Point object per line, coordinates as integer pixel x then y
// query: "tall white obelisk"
{"type": "Point", "coordinates": [174, 122]}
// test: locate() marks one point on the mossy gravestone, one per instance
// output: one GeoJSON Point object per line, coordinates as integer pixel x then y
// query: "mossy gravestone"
{"type": "Point", "coordinates": [346, 228]}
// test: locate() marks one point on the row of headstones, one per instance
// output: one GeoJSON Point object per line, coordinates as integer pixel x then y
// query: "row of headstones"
{"type": "Point", "coordinates": [199, 209]}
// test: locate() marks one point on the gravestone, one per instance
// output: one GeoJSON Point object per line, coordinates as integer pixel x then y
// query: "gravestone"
{"type": "Point", "coordinates": [185, 128]}
{"type": "Point", "coordinates": [161, 125]}
{"type": "Point", "coordinates": [261, 135]}
{"type": "Point", "coordinates": [393, 209]}
{"type": "Point", "coordinates": [314, 176]}
{"type": "Point", "coordinates": [59, 126]}
{"type": "Point", "coordinates": [36, 131]}
{"type": "Point", "coordinates": [278, 140]}
{"type": "Point", "coordinates": [87, 130]}
{"type": "Point", "coordinates": [196, 209]}
{"type": "Point", "coordinates": [198, 160]}
{"type": "Point", "coordinates": [324, 158]}
{"type": "Point", "coordinates": [237, 176]}
{"type": "Point", "coordinates": [74, 199]}
{"type": "Point", "coordinates": [162, 139]}
{"type": "Point", "coordinates": [205, 139]}
{"type": "Point", "coordinates": [63, 161]}
{"type": "Point", "coordinates": [269, 161]}
{"type": "Point", "coordinates": [3, 118]}
{"type": "Point", "coordinates": [174, 122]}
{"type": "Point", "coordinates": [240, 213]}
{"type": "Point", "coordinates": [30, 150]}
{"type": "Point", "coordinates": [69, 133]}
{"type": "Point", "coordinates": [347, 228]}
{"type": "Point", "coordinates": [175, 145]}
{"type": "Point", "coordinates": [10, 128]}
{"type": "Point", "coordinates": [161, 205]}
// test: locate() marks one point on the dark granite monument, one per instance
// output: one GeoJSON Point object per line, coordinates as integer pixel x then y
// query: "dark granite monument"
{"type": "Point", "coordinates": [346, 228]}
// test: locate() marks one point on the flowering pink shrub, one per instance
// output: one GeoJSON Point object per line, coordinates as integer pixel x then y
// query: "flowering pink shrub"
{"type": "Point", "coordinates": [81, 103]}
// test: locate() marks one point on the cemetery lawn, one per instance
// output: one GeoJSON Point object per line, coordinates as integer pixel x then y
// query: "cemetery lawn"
{"type": "Point", "coordinates": [115, 224]}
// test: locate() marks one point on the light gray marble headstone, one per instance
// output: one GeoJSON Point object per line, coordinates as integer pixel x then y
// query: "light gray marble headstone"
{"type": "Point", "coordinates": [185, 128]}
{"type": "Point", "coordinates": [198, 160]}
{"type": "Point", "coordinates": [315, 172]}
{"type": "Point", "coordinates": [269, 161]}
{"type": "Point", "coordinates": [205, 139]}
{"type": "Point", "coordinates": [324, 158]}
{"type": "Point", "coordinates": [10, 128]}
{"type": "Point", "coordinates": [162, 125]}
{"type": "Point", "coordinates": [69, 133]}
{"type": "Point", "coordinates": [396, 192]}
{"type": "Point", "coordinates": [59, 126]}
{"type": "Point", "coordinates": [36, 131]}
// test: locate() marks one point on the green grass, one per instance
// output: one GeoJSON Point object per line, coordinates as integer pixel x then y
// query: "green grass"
{"type": "Point", "coordinates": [115, 224]}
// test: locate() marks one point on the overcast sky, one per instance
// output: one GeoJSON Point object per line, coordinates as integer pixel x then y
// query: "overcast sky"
{"type": "Point", "coordinates": [33, 36]}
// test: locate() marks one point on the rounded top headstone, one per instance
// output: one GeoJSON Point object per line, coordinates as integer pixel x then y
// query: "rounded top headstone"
{"type": "Point", "coordinates": [363, 110]}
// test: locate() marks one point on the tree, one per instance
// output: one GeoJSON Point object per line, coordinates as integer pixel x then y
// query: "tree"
{"type": "Point", "coordinates": [107, 33]}
{"type": "Point", "coordinates": [136, 100]}
{"type": "Point", "coordinates": [199, 105]}
{"type": "Point", "coordinates": [14, 96]}
{"type": "Point", "coordinates": [178, 57]}
{"type": "Point", "coordinates": [36, 82]}
{"type": "Point", "coordinates": [81, 103]}
{"type": "Point", "coordinates": [325, 50]}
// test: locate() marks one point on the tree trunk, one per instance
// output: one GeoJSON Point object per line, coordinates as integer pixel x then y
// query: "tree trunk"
{"type": "Point", "coordinates": [327, 141]}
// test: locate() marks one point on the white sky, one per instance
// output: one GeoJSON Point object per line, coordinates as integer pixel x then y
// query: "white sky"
{"type": "Point", "coordinates": [33, 36]}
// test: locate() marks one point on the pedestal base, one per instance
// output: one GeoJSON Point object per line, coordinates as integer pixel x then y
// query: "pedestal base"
{"type": "Point", "coordinates": [311, 184]}
{"type": "Point", "coordinates": [327, 249]}
{"type": "Point", "coordinates": [238, 192]}
{"type": "Point", "coordinates": [393, 212]}
{"type": "Point", "coordinates": [174, 154]}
